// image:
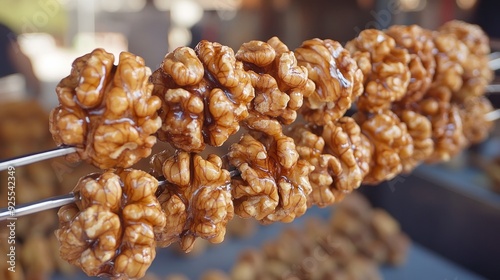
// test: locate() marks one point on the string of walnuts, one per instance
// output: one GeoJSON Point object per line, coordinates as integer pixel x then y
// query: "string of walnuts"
{"type": "Point", "coordinates": [296, 147]}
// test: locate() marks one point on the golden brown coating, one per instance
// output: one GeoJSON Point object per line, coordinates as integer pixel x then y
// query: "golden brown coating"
{"type": "Point", "coordinates": [447, 128]}
{"type": "Point", "coordinates": [310, 147]}
{"type": "Point", "coordinates": [205, 93]}
{"type": "Point", "coordinates": [266, 189]}
{"type": "Point", "coordinates": [340, 165]}
{"type": "Point", "coordinates": [418, 42]}
{"type": "Point", "coordinates": [336, 75]}
{"type": "Point", "coordinates": [392, 144]}
{"type": "Point", "coordinates": [280, 84]}
{"type": "Point", "coordinates": [196, 200]}
{"type": "Point", "coordinates": [111, 230]}
{"type": "Point", "coordinates": [476, 127]}
{"type": "Point", "coordinates": [420, 130]}
{"type": "Point", "coordinates": [477, 73]}
{"type": "Point", "coordinates": [471, 35]}
{"type": "Point", "coordinates": [106, 111]}
{"type": "Point", "coordinates": [385, 68]}
{"type": "Point", "coordinates": [450, 57]}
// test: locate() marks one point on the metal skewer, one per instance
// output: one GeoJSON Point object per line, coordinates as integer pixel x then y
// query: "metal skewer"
{"type": "Point", "coordinates": [495, 88]}
{"type": "Point", "coordinates": [493, 115]}
{"type": "Point", "coordinates": [35, 157]}
{"type": "Point", "coordinates": [494, 62]}
{"type": "Point", "coordinates": [12, 213]}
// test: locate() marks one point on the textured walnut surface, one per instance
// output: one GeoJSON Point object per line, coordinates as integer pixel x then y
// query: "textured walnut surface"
{"type": "Point", "coordinates": [392, 144]}
{"type": "Point", "coordinates": [341, 158]}
{"type": "Point", "coordinates": [280, 84]}
{"type": "Point", "coordinates": [420, 130]}
{"type": "Point", "coordinates": [418, 42]}
{"type": "Point", "coordinates": [477, 73]}
{"type": "Point", "coordinates": [473, 114]}
{"type": "Point", "coordinates": [447, 128]}
{"type": "Point", "coordinates": [106, 111]}
{"type": "Point", "coordinates": [450, 57]}
{"type": "Point", "coordinates": [205, 93]}
{"type": "Point", "coordinates": [111, 230]}
{"type": "Point", "coordinates": [265, 189]}
{"type": "Point", "coordinates": [196, 200]}
{"type": "Point", "coordinates": [384, 66]}
{"type": "Point", "coordinates": [336, 75]}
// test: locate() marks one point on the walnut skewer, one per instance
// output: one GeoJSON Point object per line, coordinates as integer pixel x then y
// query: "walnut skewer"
{"type": "Point", "coordinates": [9, 213]}
{"type": "Point", "coordinates": [288, 83]}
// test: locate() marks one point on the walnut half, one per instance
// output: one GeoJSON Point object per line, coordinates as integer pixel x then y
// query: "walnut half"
{"type": "Point", "coordinates": [111, 230]}
{"type": "Point", "coordinates": [196, 200]}
{"type": "Point", "coordinates": [106, 111]}
{"type": "Point", "coordinates": [205, 93]}
{"type": "Point", "coordinates": [265, 189]}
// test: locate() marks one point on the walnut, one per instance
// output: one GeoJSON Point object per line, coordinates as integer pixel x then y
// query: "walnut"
{"type": "Point", "coordinates": [97, 224]}
{"type": "Point", "coordinates": [385, 69]}
{"type": "Point", "coordinates": [477, 73]}
{"type": "Point", "coordinates": [196, 200]}
{"type": "Point", "coordinates": [420, 130]}
{"type": "Point", "coordinates": [418, 42]}
{"type": "Point", "coordinates": [280, 84]}
{"type": "Point", "coordinates": [392, 144]}
{"type": "Point", "coordinates": [472, 112]}
{"type": "Point", "coordinates": [205, 94]}
{"type": "Point", "coordinates": [340, 165]}
{"type": "Point", "coordinates": [266, 189]}
{"type": "Point", "coordinates": [111, 230]}
{"type": "Point", "coordinates": [450, 58]}
{"type": "Point", "coordinates": [106, 111]}
{"type": "Point", "coordinates": [447, 128]}
{"type": "Point", "coordinates": [471, 35]}
{"type": "Point", "coordinates": [337, 78]}
{"type": "Point", "coordinates": [286, 153]}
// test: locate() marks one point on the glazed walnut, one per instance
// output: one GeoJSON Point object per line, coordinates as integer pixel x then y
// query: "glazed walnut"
{"type": "Point", "coordinates": [111, 230]}
{"type": "Point", "coordinates": [385, 69]}
{"type": "Point", "coordinates": [392, 144]}
{"type": "Point", "coordinates": [265, 189]}
{"type": "Point", "coordinates": [106, 111]}
{"type": "Point", "coordinates": [205, 93]}
{"type": "Point", "coordinates": [471, 35]}
{"type": "Point", "coordinates": [477, 73]}
{"type": "Point", "coordinates": [336, 75]}
{"type": "Point", "coordinates": [280, 84]}
{"type": "Point", "coordinates": [418, 42]}
{"type": "Point", "coordinates": [420, 130]}
{"type": "Point", "coordinates": [450, 58]}
{"type": "Point", "coordinates": [196, 200]}
{"type": "Point", "coordinates": [473, 112]}
{"type": "Point", "coordinates": [447, 128]}
{"type": "Point", "coordinates": [340, 165]}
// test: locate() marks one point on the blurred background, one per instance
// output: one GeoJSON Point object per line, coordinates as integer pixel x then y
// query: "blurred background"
{"type": "Point", "coordinates": [449, 211]}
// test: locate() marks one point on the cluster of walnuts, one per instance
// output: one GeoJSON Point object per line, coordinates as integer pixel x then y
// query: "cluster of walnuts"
{"type": "Point", "coordinates": [418, 95]}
